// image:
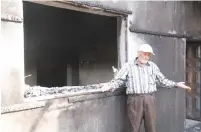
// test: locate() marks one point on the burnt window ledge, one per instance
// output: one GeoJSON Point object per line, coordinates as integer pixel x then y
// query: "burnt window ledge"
{"type": "Point", "coordinates": [41, 93]}
{"type": "Point", "coordinates": [11, 18]}
{"type": "Point", "coordinates": [52, 102]}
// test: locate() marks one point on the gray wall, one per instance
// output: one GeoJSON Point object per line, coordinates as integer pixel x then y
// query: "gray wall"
{"type": "Point", "coordinates": [167, 17]}
{"type": "Point", "coordinates": [58, 115]}
{"type": "Point", "coordinates": [170, 103]}
{"type": "Point", "coordinates": [12, 55]}
{"type": "Point", "coordinates": [192, 18]}
{"type": "Point", "coordinates": [170, 56]}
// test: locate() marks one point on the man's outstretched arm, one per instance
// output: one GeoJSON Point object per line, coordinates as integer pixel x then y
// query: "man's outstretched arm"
{"type": "Point", "coordinates": [166, 82]}
{"type": "Point", "coordinates": [118, 81]}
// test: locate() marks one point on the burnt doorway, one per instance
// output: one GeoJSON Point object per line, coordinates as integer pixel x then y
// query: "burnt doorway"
{"type": "Point", "coordinates": [193, 68]}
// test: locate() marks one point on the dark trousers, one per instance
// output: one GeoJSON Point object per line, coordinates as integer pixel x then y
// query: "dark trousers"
{"type": "Point", "coordinates": [142, 107]}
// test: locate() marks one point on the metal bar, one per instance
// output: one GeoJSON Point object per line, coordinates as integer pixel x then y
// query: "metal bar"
{"type": "Point", "coordinates": [126, 39]}
{"type": "Point", "coordinates": [142, 31]}
{"type": "Point", "coordinates": [155, 33]}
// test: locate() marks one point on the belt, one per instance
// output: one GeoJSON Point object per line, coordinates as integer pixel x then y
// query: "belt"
{"type": "Point", "coordinates": [142, 94]}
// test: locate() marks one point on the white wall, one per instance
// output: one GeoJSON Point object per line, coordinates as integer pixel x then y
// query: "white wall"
{"type": "Point", "coordinates": [12, 55]}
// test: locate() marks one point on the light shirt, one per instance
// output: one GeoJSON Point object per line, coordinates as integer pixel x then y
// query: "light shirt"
{"type": "Point", "coordinates": [140, 79]}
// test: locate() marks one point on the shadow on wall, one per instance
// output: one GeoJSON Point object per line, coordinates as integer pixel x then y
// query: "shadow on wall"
{"type": "Point", "coordinates": [82, 118]}
{"type": "Point", "coordinates": [40, 116]}
{"type": "Point", "coordinates": [102, 115]}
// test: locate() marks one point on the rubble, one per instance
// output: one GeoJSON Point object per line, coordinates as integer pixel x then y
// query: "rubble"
{"type": "Point", "coordinates": [35, 91]}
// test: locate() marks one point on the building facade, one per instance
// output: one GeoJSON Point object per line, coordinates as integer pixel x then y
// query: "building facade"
{"type": "Point", "coordinates": [53, 44]}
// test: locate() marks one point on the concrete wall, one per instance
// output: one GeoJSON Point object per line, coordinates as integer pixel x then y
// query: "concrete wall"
{"type": "Point", "coordinates": [165, 17]}
{"type": "Point", "coordinates": [170, 56]}
{"type": "Point", "coordinates": [59, 115]}
{"type": "Point", "coordinates": [12, 55]}
{"type": "Point", "coordinates": [192, 18]}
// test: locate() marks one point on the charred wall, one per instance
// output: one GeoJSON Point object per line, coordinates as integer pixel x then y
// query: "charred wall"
{"type": "Point", "coordinates": [192, 18]}
{"type": "Point", "coordinates": [105, 115]}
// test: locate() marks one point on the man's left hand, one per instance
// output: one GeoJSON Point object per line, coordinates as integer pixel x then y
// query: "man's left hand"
{"type": "Point", "coordinates": [182, 85]}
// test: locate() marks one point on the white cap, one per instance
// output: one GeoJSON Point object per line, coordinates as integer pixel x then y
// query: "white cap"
{"type": "Point", "coordinates": [146, 48]}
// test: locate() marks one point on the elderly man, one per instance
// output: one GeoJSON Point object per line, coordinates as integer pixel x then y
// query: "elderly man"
{"type": "Point", "coordinates": [140, 77]}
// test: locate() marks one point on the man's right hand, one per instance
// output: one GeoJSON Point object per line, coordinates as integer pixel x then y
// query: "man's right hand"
{"type": "Point", "coordinates": [106, 87]}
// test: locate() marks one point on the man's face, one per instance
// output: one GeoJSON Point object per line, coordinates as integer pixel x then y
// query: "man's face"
{"type": "Point", "coordinates": [144, 57]}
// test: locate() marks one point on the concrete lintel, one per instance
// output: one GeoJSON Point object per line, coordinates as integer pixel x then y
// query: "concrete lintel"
{"type": "Point", "coordinates": [83, 7]}
{"type": "Point", "coordinates": [107, 8]}
{"type": "Point", "coordinates": [165, 34]}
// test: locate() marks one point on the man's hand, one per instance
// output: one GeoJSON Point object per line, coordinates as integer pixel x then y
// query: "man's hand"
{"type": "Point", "coordinates": [182, 85]}
{"type": "Point", "coordinates": [106, 87]}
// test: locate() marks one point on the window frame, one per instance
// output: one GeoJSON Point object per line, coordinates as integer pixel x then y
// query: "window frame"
{"type": "Point", "coordinates": [122, 55]}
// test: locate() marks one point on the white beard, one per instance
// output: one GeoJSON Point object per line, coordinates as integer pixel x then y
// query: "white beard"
{"type": "Point", "coordinates": [143, 61]}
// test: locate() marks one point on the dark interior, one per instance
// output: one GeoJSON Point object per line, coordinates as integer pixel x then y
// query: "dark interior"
{"type": "Point", "coordinates": [55, 38]}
